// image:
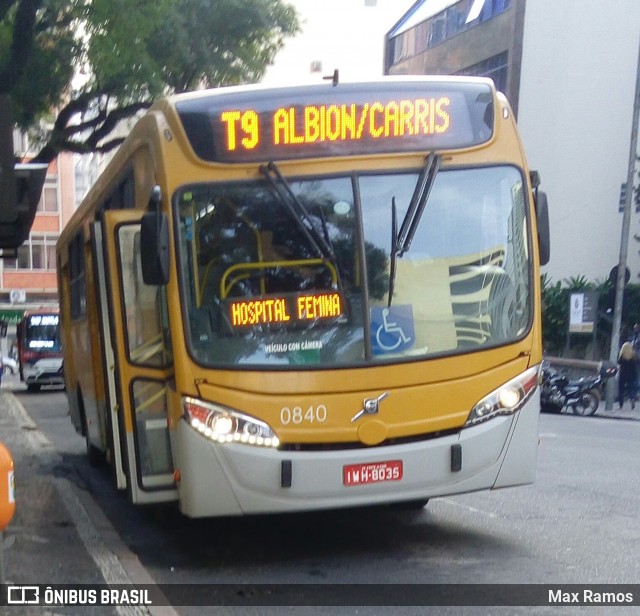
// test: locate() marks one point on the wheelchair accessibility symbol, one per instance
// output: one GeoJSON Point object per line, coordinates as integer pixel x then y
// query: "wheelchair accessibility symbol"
{"type": "Point", "coordinates": [392, 329]}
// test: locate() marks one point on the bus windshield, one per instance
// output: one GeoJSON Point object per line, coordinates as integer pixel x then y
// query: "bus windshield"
{"type": "Point", "coordinates": [42, 333]}
{"type": "Point", "coordinates": [300, 274]}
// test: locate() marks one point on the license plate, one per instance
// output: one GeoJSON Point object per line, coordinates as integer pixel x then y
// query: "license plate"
{"type": "Point", "coordinates": [371, 472]}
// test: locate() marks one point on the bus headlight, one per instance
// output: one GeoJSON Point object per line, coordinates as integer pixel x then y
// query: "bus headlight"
{"type": "Point", "coordinates": [505, 400]}
{"type": "Point", "coordinates": [223, 425]}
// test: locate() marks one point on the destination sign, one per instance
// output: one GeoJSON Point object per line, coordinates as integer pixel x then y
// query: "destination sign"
{"type": "Point", "coordinates": [348, 119]}
{"type": "Point", "coordinates": [285, 309]}
{"type": "Point", "coordinates": [333, 123]}
{"type": "Point", "coordinates": [45, 319]}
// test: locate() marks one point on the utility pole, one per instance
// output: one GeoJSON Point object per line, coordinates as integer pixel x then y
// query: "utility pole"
{"type": "Point", "coordinates": [624, 238]}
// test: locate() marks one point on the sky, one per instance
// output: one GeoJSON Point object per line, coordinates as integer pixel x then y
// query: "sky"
{"type": "Point", "coordinates": [343, 34]}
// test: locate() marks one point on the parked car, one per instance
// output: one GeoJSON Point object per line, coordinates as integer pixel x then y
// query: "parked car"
{"type": "Point", "coordinates": [9, 365]}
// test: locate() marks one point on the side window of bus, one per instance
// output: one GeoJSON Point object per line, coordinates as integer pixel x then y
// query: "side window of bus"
{"type": "Point", "coordinates": [145, 306]}
{"type": "Point", "coordinates": [123, 197]}
{"type": "Point", "coordinates": [77, 280]}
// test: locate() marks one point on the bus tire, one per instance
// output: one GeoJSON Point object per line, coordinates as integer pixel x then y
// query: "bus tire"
{"type": "Point", "coordinates": [411, 505]}
{"type": "Point", "coordinates": [33, 387]}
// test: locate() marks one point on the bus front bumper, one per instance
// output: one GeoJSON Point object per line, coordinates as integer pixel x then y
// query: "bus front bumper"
{"type": "Point", "coordinates": [43, 373]}
{"type": "Point", "coordinates": [235, 479]}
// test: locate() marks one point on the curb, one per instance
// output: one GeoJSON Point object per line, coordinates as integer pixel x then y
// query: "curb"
{"type": "Point", "coordinates": [116, 563]}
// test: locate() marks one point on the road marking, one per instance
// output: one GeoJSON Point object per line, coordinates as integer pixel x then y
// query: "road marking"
{"type": "Point", "coordinates": [107, 562]}
{"type": "Point", "coordinates": [468, 508]}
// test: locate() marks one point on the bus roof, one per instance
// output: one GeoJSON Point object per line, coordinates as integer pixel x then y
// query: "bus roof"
{"type": "Point", "coordinates": [389, 115]}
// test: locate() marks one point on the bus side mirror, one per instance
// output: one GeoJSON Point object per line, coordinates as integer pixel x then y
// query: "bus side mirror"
{"type": "Point", "coordinates": [154, 243]}
{"type": "Point", "coordinates": [544, 235]}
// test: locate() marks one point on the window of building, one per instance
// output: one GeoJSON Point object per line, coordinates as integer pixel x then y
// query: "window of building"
{"type": "Point", "coordinates": [87, 169]}
{"type": "Point", "coordinates": [411, 38]}
{"type": "Point", "coordinates": [37, 253]}
{"type": "Point", "coordinates": [496, 68]}
{"type": "Point", "coordinates": [49, 199]}
{"type": "Point", "coordinates": [43, 252]}
{"type": "Point", "coordinates": [24, 257]}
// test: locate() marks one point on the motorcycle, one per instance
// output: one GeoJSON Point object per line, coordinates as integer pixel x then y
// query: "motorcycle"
{"type": "Point", "coordinates": [582, 396]}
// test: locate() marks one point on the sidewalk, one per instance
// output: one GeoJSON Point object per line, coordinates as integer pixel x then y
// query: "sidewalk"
{"type": "Point", "coordinates": [41, 543]}
{"type": "Point", "coordinates": [58, 535]}
{"type": "Point", "coordinates": [626, 412]}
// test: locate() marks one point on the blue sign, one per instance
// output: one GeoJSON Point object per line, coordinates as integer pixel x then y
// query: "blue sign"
{"type": "Point", "coordinates": [392, 329]}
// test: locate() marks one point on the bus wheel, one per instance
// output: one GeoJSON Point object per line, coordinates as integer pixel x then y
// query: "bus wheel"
{"type": "Point", "coordinates": [412, 505]}
{"type": "Point", "coordinates": [33, 387]}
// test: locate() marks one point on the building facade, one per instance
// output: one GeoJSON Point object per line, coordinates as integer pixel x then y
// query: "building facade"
{"type": "Point", "coordinates": [28, 280]}
{"type": "Point", "coordinates": [569, 70]}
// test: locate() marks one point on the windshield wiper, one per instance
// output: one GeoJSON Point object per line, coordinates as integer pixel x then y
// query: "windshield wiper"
{"type": "Point", "coordinates": [297, 210]}
{"type": "Point", "coordinates": [418, 202]}
{"type": "Point", "coordinates": [394, 248]}
{"type": "Point", "coordinates": [401, 240]}
{"type": "Point", "coordinates": [320, 242]}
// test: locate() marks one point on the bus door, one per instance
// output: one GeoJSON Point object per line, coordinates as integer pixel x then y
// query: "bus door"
{"type": "Point", "coordinates": [140, 355]}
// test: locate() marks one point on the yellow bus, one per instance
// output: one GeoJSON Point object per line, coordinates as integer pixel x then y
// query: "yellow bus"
{"type": "Point", "coordinates": [288, 299]}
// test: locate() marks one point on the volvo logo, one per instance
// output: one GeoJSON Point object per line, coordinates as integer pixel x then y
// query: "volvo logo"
{"type": "Point", "coordinates": [370, 406]}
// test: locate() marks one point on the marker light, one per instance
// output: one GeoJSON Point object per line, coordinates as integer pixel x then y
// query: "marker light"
{"type": "Point", "coordinates": [223, 425]}
{"type": "Point", "coordinates": [505, 400]}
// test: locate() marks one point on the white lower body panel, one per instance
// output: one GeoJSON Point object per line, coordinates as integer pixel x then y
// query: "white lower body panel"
{"type": "Point", "coordinates": [235, 479]}
{"type": "Point", "coordinates": [44, 372]}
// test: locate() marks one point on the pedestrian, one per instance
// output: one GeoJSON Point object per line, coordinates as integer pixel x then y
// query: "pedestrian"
{"type": "Point", "coordinates": [627, 375]}
{"type": "Point", "coordinates": [635, 341]}
{"type": "Point", "coordinates": [1, 369]}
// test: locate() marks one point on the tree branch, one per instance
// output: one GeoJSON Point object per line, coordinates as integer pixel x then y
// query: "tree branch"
{"type": "Point", "coordinates": [112, 119]}
{"type": "Point", "coordinates": [61, 137]}
{"type": "Point", "coordinates": [73, 107]}
{"type": "Point", "coordinates": [84, 147]}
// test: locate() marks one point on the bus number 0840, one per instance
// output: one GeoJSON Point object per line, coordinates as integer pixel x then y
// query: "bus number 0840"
{"type": "Point", "coordinates": [297, 415]}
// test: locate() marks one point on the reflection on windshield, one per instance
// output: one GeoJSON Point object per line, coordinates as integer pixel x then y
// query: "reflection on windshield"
{"type": "Point", "coordinates": [258, 292]}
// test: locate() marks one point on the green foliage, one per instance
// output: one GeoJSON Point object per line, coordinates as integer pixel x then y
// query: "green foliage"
{"type": "Point", "coordinates": [555, 315]}
{"type": "Point", "coordinates": [555, 319]}
{"type": "Point", "coordinates": [37, 74]}
{"type": "Point", "coordinates": [101, 61]}
{"type": "Point", "coordinates": [220, 43]}
{"type": "Point", "coordinates": [116, 54]}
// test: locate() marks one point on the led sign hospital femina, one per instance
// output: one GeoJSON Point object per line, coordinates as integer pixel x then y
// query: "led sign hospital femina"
{"type": "Point", "coordinates": [285, 309]}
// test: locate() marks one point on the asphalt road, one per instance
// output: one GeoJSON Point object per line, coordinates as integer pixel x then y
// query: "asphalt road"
{"type": "Point", "coordinates": [577, 524]}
